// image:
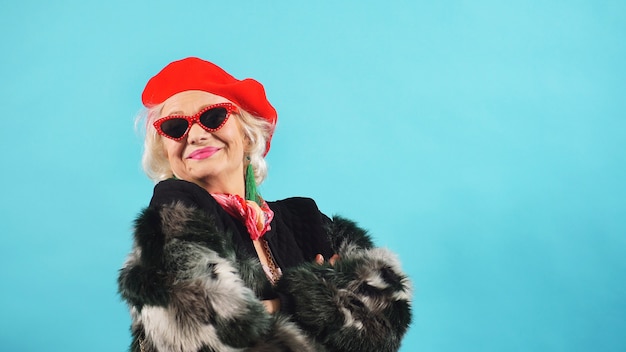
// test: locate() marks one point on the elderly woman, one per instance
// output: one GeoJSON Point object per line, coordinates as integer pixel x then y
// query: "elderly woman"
{"type": "Point", "coordinates": [214, 267]}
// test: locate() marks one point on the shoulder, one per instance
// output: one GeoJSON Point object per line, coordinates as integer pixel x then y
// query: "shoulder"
{"type": "Point", "coordinates": [298, 211]}
{"type": "Point", "coordinates": [172, 191]}
{"type": "Point", "coordinates": [294, 204]}
{"type": "Point", "coordinates": [172, 196]}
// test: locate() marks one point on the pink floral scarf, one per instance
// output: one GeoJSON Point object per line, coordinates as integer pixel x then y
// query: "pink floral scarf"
{"type": "Point", "coordinates": [256, 218]}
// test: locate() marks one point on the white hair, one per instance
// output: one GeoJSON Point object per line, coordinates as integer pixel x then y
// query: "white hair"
{"type": "Point", "coordinates": [154, 161]}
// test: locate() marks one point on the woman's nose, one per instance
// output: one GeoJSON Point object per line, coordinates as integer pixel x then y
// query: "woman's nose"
{"type": "Point", "coordinates": [197, 134]}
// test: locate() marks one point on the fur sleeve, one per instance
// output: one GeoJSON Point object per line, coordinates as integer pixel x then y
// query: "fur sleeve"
{"type": "Point", "coordinates": [362, 303]}
{"type": "Point", "coordinates": [185, 293]}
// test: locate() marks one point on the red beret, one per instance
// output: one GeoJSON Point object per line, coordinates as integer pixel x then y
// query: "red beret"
{"type": "Point", "coordinates": [193, 73]}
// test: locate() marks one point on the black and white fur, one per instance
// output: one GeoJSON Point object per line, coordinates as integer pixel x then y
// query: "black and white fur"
{"type": "Point", "coordinates": [189, 289]}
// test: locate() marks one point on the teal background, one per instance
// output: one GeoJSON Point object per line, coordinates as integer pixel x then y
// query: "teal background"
{"type": "Point", "coordinates": [483, 141]}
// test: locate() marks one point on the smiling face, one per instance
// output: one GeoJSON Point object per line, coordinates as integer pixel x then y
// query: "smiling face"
{"type": "Point", "coordinates": [213, 160]}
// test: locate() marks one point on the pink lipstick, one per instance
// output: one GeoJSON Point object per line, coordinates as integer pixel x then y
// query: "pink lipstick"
{"type": "Point", "coordinates": [203, 153]}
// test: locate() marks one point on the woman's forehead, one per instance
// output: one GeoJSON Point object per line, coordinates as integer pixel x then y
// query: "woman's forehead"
{"type": "Point", "coordinates": [189, 102]}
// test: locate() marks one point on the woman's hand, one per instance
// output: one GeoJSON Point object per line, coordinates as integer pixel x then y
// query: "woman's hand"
{"type": "Point", "coordinates": [271, 305]}
{"type": "Point", "coordinates": [319, 259]}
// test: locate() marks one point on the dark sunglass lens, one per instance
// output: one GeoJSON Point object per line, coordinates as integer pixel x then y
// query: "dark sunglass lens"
{"type": "Point", "coordinates": [174, 128]}
{"type": "Point", "coordinates": [213, 118]}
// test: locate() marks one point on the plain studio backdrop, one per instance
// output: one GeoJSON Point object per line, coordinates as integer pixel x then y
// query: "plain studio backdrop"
{"type": "Point", "coordinates": [482, 141]}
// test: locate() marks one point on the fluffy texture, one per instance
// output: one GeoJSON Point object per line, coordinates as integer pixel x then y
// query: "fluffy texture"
{"type": "Point", "coordinates": [361, 303]}
{"type": "Point", "coordinates": [189, 288]}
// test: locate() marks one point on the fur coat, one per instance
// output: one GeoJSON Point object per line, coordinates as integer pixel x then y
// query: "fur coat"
{"type": "Point", "coordinates": [189, 288]}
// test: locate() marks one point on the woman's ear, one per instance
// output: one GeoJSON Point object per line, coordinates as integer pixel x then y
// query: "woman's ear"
{"type": "Point", "coordinates": [247, 144]}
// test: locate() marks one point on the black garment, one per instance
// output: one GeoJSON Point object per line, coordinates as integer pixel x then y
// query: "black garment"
{"type": "Point", "coordinates": [298, 231]}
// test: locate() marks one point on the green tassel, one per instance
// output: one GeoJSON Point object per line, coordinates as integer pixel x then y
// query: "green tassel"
{"type": "Point", "coordinates": [251, 192]}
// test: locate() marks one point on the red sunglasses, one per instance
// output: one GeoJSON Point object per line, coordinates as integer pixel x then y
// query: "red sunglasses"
{"type": "Point", "coordinates": [210, 118]}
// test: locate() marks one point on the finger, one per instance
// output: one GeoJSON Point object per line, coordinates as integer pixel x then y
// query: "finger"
{"type": "Point", "coordinates": [333, 259]}
{"type": "Point", "coordinates": [319, 259]}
